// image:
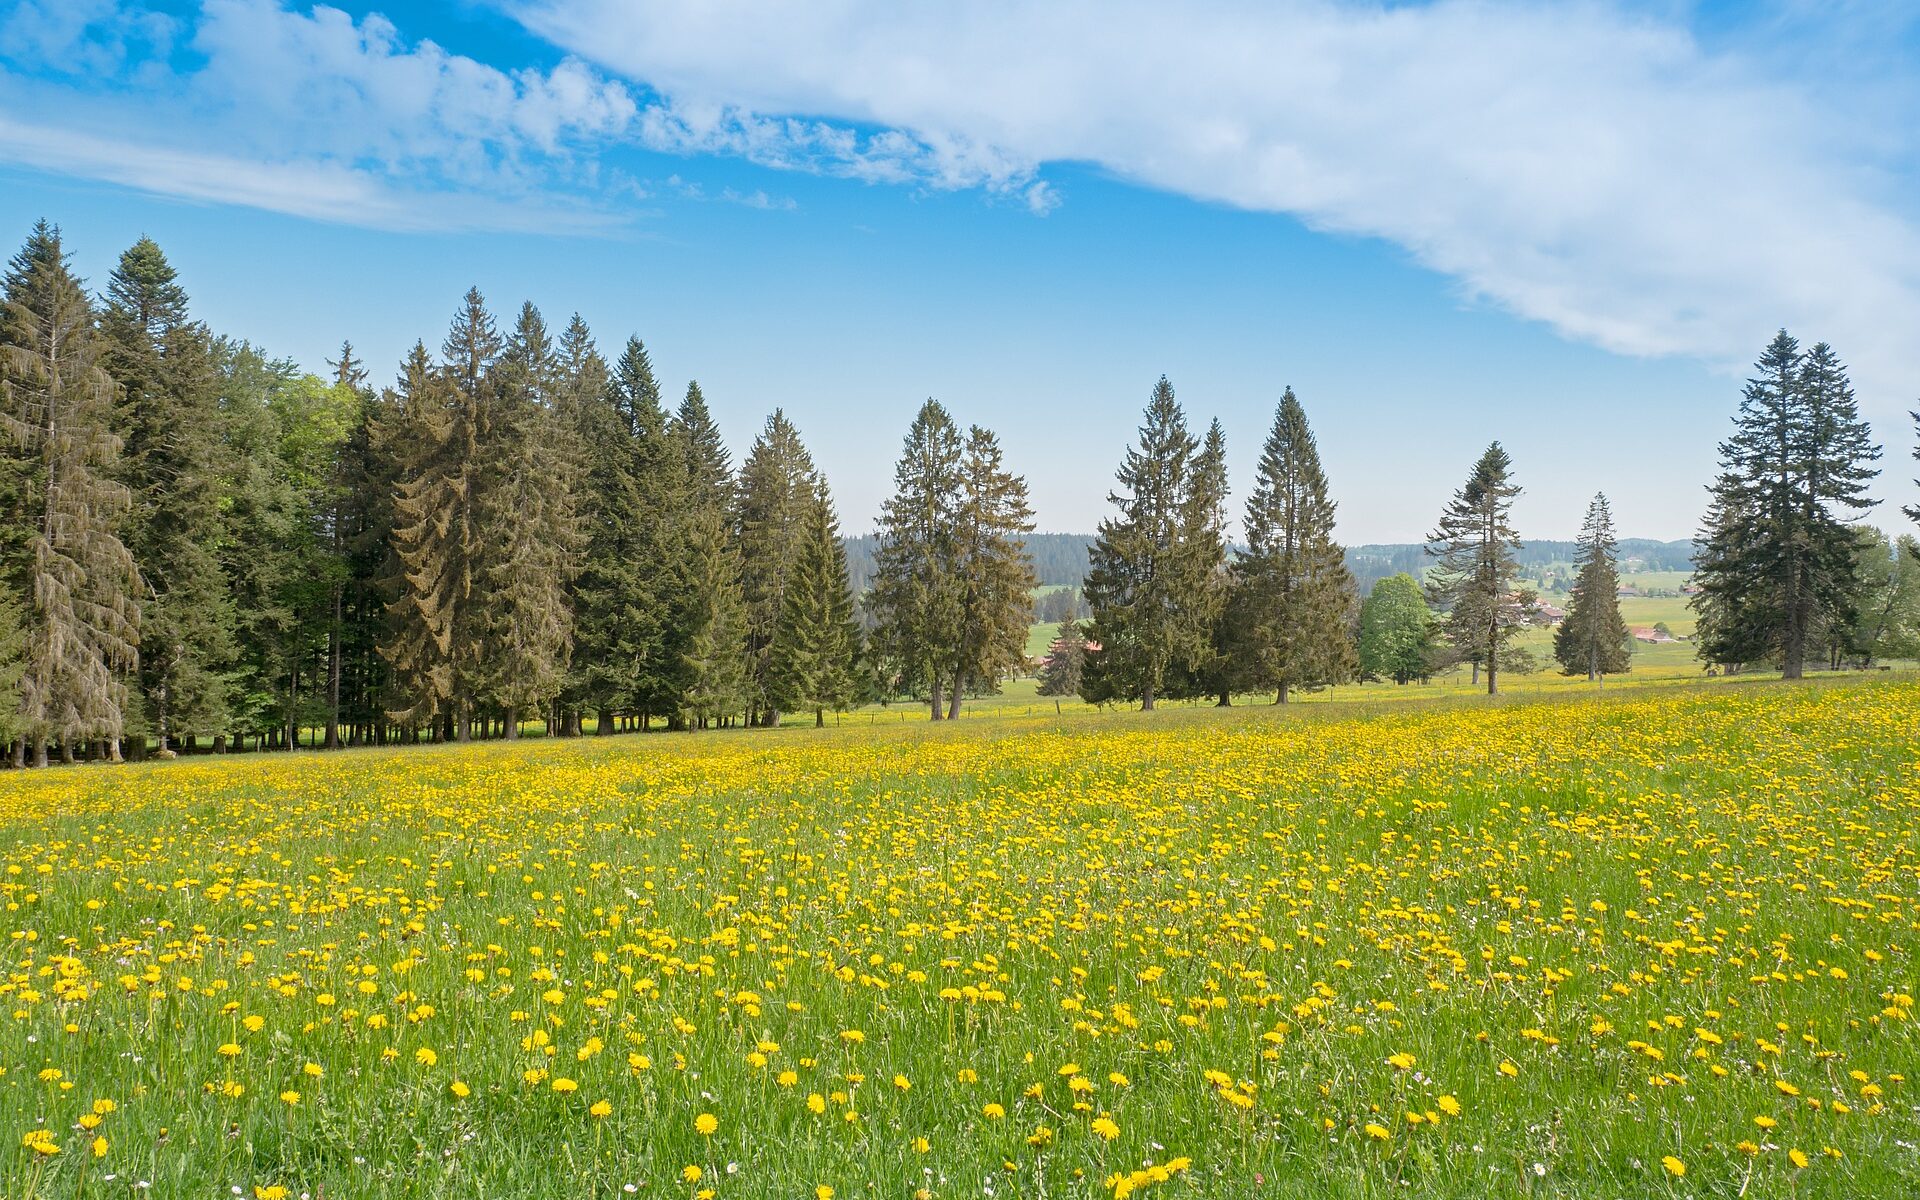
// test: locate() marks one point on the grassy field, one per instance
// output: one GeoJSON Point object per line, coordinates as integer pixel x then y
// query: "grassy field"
{"type": "Point", "coordinates": [1648, 941]}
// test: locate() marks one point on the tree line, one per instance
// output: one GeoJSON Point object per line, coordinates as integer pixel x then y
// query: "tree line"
{"type": "Point", "coordinates": [203, 547]}
{"type": "Point", "coordinates": [1784, 575]}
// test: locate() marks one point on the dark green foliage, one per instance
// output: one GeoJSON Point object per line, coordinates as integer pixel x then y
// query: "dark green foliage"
{"type": "Point", "coordinates": [993, 574]}
{"type": "Point", "coordinates": [916, 596]}
{"type": "Point", "coordinates": [715, 658]}
{"type": "Point", "coordinates": [778, 488]}
{"type": "Point", "coordinates": [1296, 595]}
{"type": "Point", "coordinates": [171, 462]}
{"type": "Point", "coordinates": [1776, 559]}
{"type": "Point", "coordinates": [1156, 580]}
{"type": "Point", "coordinates": [1473, 581]}
{"type": "Point", "coordinates": [63, 551]}
{"type": "Point", "coordinates": [816, 645]}
{"type": "Point", "coordinates": [1593, 637]}
{"type": "Point", "coordinates": [527, 529]}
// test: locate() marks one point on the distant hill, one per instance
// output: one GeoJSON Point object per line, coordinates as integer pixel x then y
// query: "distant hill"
{"type": "Point", "coordinates": [1060, 559]}
{"type": "Point", "coordinates": [1370, 564]}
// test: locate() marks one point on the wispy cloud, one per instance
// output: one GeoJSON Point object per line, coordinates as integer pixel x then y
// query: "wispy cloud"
{"type": "Point", "coordinates": [313, 114]}
{"type": "Point", "coordinates": [1584, 165]}
{"type": "Point", "coordinates": [1591, 166]}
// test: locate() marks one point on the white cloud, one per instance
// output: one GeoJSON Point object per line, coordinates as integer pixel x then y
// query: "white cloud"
{"type": "Point", "coordinates": [1578, 164]}
{"type": "Point", "coordinates": [321, 191]}
{"type": "Point", "coordinates": [313, 114]}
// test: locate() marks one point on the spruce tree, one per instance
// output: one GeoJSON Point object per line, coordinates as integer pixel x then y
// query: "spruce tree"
{"type": "Point", "coordinates": [715, 656]}
{"type": "Point", "coordinates": [169, 421]}
{"type": "Point", "coordinates": [1060, 674]}
{"type": "Point", "coordinates": [1151, 588]}
{"type": "Point", "coordinates": [526, 529]}
{"type": "Point", "coordinates": [1293, 579]}
{"type": "Point", "coordinates": [361, 513]}
{"type": "Point", "coordinates": [777, 493]}
{"type": "Point", "coordinates": [656, 617]}
{"type": "Point", "coordinates": [435, 638]}
{"type": "Point", "coordinates": [916, 598]}
{"type": "Point", "coordinates": [703, 454]}
{"type": "Point", "coordinates": [603, 502]}
{"type": "Point", "coordinates": [1913, 510]}
{"type": "Point", "coordinates": [816, 643]}
{"type": "Point", "coordinates": [1217, 664]}
{"type": "Point", "coordinates": [1593, 636]}
{"type": "Point", "coordinates": [1776, 559]}
{"type": "Point", "coordinates": [62, 549]}
{"type": "Point", "coordinates": [712, 611]}
{"type": "Point", "coordinates": [1473, 582]}
{"type": "Point", "coordinates": [994, 575]}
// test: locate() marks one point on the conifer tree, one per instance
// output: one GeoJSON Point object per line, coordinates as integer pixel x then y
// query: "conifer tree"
{"type": "Point", "coordinates": [1151, 588]}
{"type": "Point", "coordinates": [712, 612]}
{"type": "Point", "coordinates": [169, 419]}
{"type": "Point", "coordinates": [1060, 674]}
{"type": "Point", "coordinates": [777, 492]}
{"type": "Point", "coordinates": [816, 643]}
{"type": "Point", "coordinates": [1293, 579]}
{"type": "Point", "coordinates": [991, 567]}
{"type": "Point", "coordinates": [703, 454]}
{"type": "Point", "coordinates": [1217, 664]}
{"type": "Point", "coordinates": [915, 602]}
{"type": "Point", "coordinates": [1473, 582]}
{"type": "Point", "coordinates": [1913, 510]}
{"type": "Point", "coordinates": [1593, 636]}
{"type": "Point", "coordinates": [1776, 559]}
{"type": "Point", "coordinates": [603, 506]}
{"type": "Point", "coordinates": [360, 514]}
{"type": "Point", "coordinates": [438, 641]}
{"type": "Point", "coordinates": [525, 529]}
{"type": "Point", "coordinates": [715, 657]}
{"type": "Point", "coordinates": [63, 552]}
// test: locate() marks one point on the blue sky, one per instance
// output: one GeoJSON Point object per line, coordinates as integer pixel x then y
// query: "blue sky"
{"type": "Point", "coordinates": [1564, 226]}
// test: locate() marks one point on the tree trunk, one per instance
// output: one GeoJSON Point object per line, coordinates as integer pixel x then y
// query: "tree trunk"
{"type": "Point", "coordinates": [819, 718]}
{"type": "Point", "coordinates": [1284, 695]}
{"type": "Point", "coordinates": [1146, 699]}
{"type": "Point", "coordinates": [40, 752]}
{"type": "Point", "coordinates": [511, 723]}
{"type": "Point", "coordinates": [934, 699]}
{"type": "Point", "coordinates": [953, 701]}
{"type": "Point", "coordinates": [333, 675]}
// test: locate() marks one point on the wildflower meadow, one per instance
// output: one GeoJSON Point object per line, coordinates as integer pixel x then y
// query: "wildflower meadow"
{"type": "Point", "coordinates": [1640, 943]}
